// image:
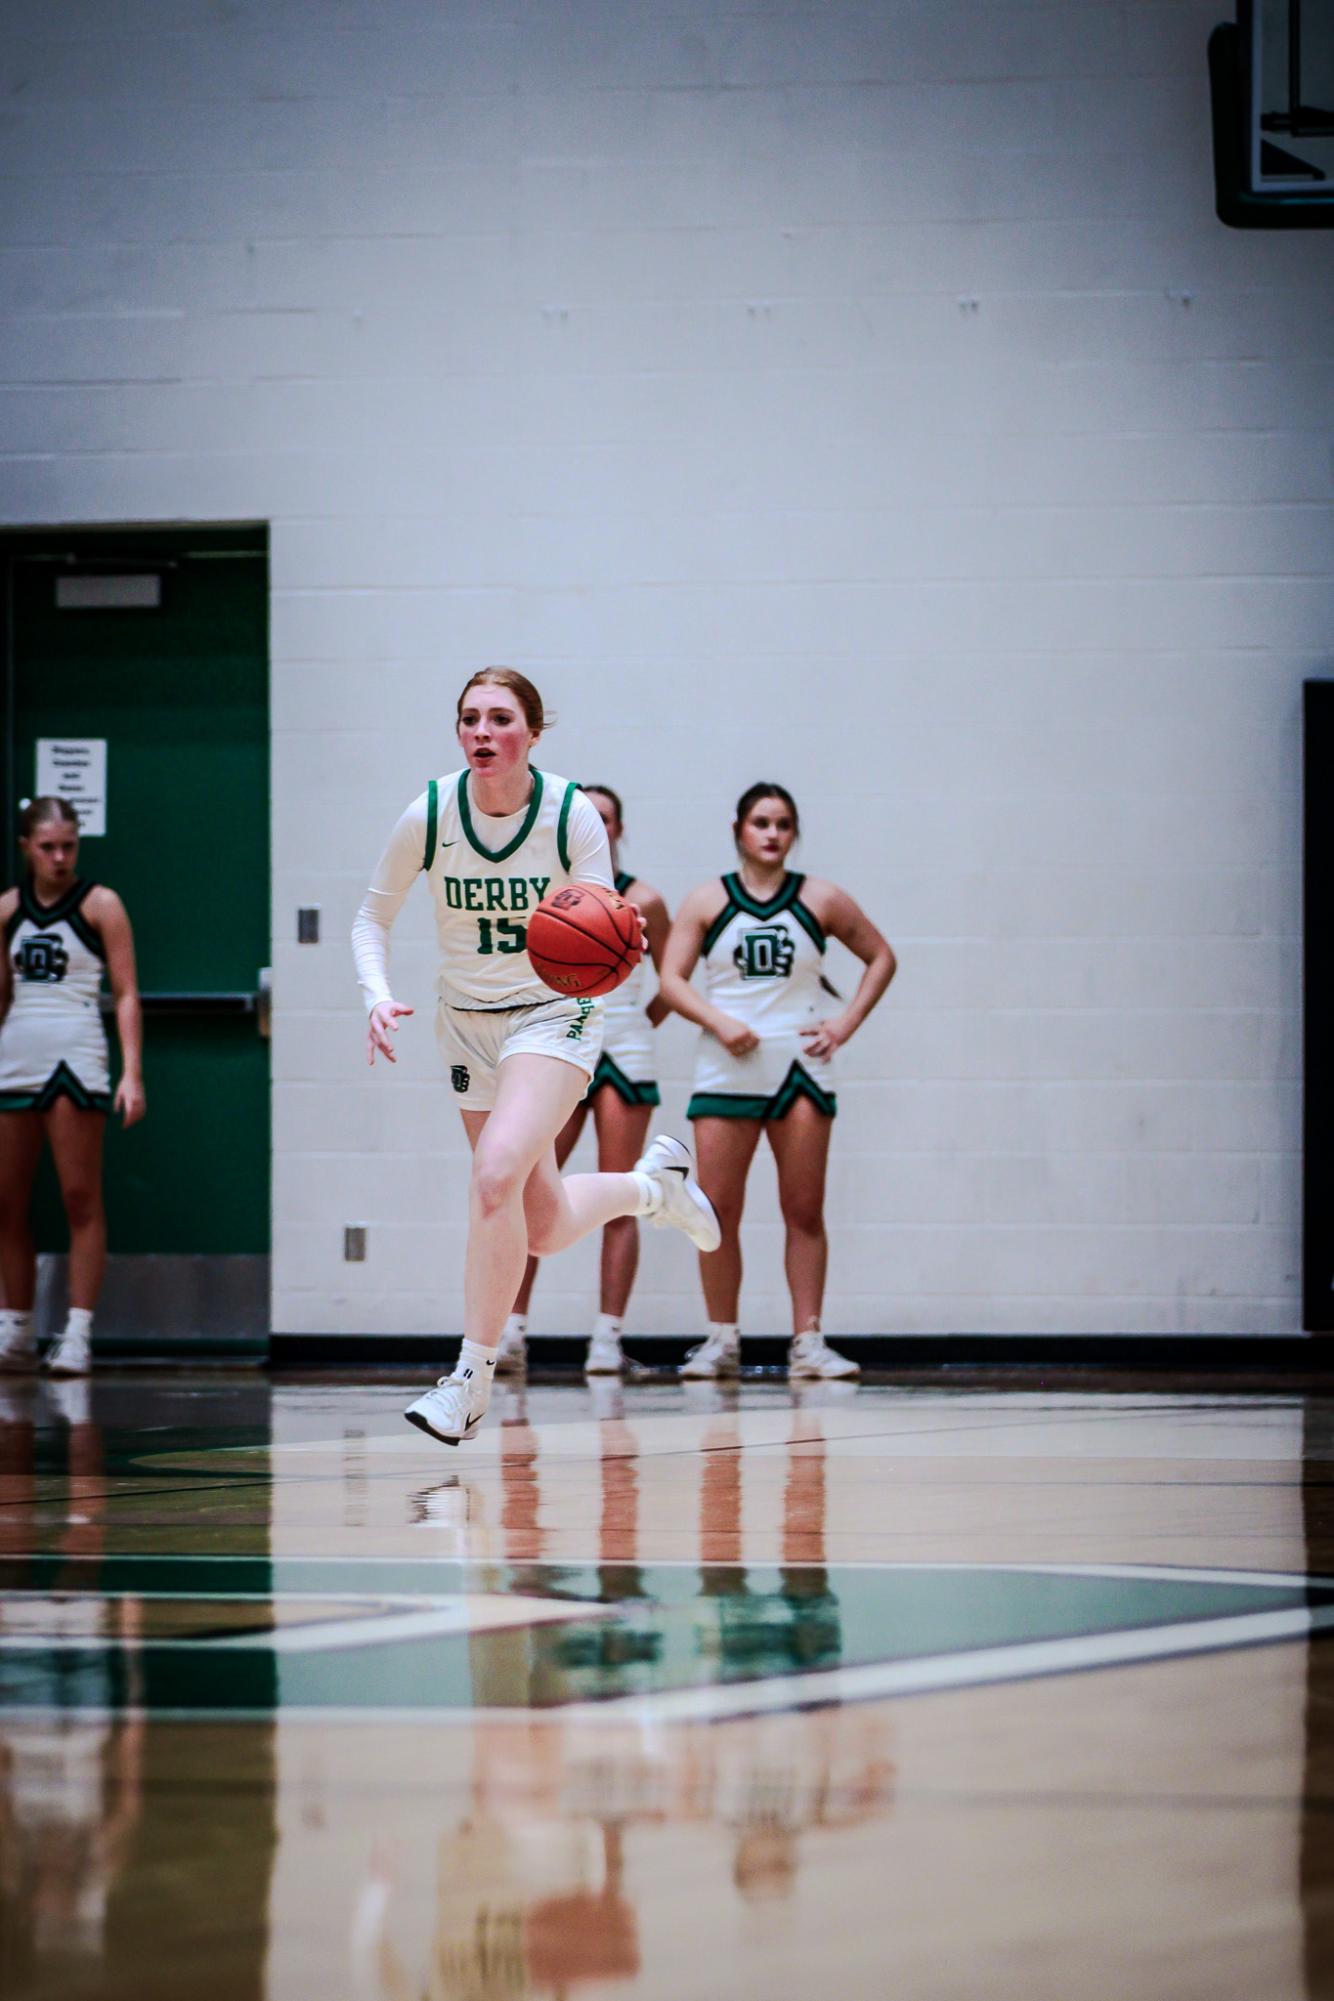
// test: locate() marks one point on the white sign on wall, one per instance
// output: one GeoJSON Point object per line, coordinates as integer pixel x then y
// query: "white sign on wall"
{"type": "Point", "coordinates": [75, 768]}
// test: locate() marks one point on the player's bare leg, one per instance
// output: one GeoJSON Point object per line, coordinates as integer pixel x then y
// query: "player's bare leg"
{"type": "Point", "coordinates": [622, 1130]}
{"type": "Point", "coordinates": [512, 1355]}
{"type": "Point", "coordinates": [20, 1150]}
{"type": "Point", "coordinates": [518, 1201]}
{"type": "Point", "coordinates": [76, 1145]}
{"type": "Point", "coordinates": [800, 1144]}
{"type": "Point", "coordinates": [724, 1149]}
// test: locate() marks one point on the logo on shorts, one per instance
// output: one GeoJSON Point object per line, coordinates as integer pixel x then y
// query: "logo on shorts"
{"type": "Point", "coordinates": [41, 959]}
{"type": "Point", "coordinates": [459, 1077]}
{"type": "Point", "coordinates": [765, 955]}
{"type": "Point", "coordinates": [576, 1028]}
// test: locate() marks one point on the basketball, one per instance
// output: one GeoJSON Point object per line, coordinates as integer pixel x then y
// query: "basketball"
{"type": "Point", "coordinates": [584, 940]}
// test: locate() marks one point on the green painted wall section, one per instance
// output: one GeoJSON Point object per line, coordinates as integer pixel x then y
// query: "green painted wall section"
{"type": "Point", "coordinates": [181, 696]}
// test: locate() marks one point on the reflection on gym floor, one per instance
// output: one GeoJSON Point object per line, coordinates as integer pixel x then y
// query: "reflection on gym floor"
{"type": "Point", "coordinates": [290, 1703]}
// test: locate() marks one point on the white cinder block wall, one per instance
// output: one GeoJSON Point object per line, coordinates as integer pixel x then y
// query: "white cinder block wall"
{"type": "Point", "coordinates": [863, 396]}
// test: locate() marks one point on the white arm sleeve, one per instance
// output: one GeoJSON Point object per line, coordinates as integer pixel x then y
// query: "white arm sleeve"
{"type": "Point", "coordinates": [586, 838]}
{"type": "Point", "coordinates": [395, 872]}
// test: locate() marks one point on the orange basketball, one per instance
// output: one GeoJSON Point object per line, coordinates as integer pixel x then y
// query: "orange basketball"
{"type": "Point", "coordinates": [584, 940]}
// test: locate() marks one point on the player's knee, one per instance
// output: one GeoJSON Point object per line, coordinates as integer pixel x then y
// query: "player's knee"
{"type": "Point", "coordinates": [83, 1205]}
{"type": "Point", "coordinates": [803, 1215]}
{"type": "Point", "coordinates": [497, 1180]}
{"type": "Point", "coordinates": [727, 1208]}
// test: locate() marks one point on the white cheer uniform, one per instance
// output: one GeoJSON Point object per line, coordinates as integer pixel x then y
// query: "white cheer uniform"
{"type": "Point", "coordinates": [488, 874]}
{"type": "Point", "coordinates": [626, 1063]}
{"type": "Point", "coordinates": [762, 965]}
{"type": "Point", "coordinates": [52, 1043]}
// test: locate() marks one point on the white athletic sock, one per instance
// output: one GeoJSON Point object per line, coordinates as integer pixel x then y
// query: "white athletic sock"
{"type": "Point", "coordinates": [606, 1323]}
{"type": "Point", "coordinates": [724, 1330]}
{"type": "Point", "coordinates": [474, 1352]}
{"type": "Point", "coordinates": [516, 1324]}
{"type": "Point", "coordinates": [79, 1320]}
{"type": "Point", "coordinates": [650, 1194]}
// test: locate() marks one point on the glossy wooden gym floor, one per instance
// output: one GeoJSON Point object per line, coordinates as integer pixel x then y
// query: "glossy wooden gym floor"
{"type": "Point", "coordinates": [880, 1691]}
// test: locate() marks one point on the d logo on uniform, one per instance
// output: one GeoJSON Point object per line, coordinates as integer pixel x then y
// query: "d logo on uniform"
{"type": "Point", "coordinates": [459, 1077]}
{"type": "Point", "coordinates": [766, 954]}
{"type": "Point", "coordinates": [41, 959]}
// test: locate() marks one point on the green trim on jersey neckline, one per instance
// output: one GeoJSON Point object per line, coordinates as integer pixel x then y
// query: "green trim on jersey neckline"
{"type": "Point", "coordinates": [741, 896]}
{"type": "Point", "coordinates": [740, 903]}
{"type": "Point", "coordinates": [47, 915]}
{"type": "Point", "coordinates": [563, 824]}
{"type": "Point", "coordinates": [529, 820]}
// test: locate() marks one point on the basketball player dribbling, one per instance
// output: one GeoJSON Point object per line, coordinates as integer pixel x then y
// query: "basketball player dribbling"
{"type": "Point", "coordinates": [764, 1060]}
{"type": "Point", "coordinates": [492, 839]}
{"type": "Point", "coordinates": [621, 1096]}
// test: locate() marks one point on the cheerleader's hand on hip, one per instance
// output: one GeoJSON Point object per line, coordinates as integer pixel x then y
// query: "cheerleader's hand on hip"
{"type": "Point", "coordinates": [382, 1027]}
{"type": "Point", "coordinates": [737, 1038]}
{"type": "Point", "coordinates": [129, 1100]}
{"type": "Point", "coordinates": [824, 1037]}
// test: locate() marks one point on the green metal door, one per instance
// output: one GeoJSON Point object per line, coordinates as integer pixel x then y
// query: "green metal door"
{"type": "Point", "coordinates": [155, 643]}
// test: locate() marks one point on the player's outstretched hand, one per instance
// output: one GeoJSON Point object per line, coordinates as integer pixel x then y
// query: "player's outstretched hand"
{"type": "Point", "coordinates": [824, 1037]}
{"type": "Point", "coordinates": [382, 1027]}
{"type": "Point", "coordinates": [737, 1037]}
{"type": "Point", "coordinates": [129, 1100]}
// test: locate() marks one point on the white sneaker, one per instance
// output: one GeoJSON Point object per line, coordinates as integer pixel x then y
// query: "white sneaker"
{"type": "Point", "coordinates": [604, 1357]}
{"type": "Point", "coordinates": [18, 1353]}
{"type": "Point", "coordinates": [454, 1408]}
{"type": "Point", "coordinates": [720, 1355]}
{"type": "Point", "coordinates": [811, 1355]}
{"type": "Point", "coordinates": [512, 1354]}
{"type": "Point", "coordinates": [70, 1356]}
{"type": "Point", "coordinates": [684, 1204]}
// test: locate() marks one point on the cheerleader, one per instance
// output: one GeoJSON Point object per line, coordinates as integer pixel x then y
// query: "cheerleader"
{"type": "Point", "coordinates": [61, 935]}
{"type": "Point", "coordinates": [621, 1095]}
{"type": "Point", "coordinates": [491, 840]}
{"type": "Point", "coordinates": [764, 1063]}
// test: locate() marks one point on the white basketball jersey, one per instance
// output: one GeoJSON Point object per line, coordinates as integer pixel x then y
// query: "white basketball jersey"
{"type": "Point", "coordinates": [489, 874]}
{"type": "Point", "coordinates": [762, 960]}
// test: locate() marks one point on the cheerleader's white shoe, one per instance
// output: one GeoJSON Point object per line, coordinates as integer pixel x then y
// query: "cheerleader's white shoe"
{"type": "Point", "coordinates": [811, 1355]}
{"type": "Point", "coordinates": [71, 1355]}
{"type": "Point", "coordinates": [18, 1351]}
{"type": "Point", "coordinates": [719, 1355]}
{"type": "Point", "coordinates": [604, 1356]}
